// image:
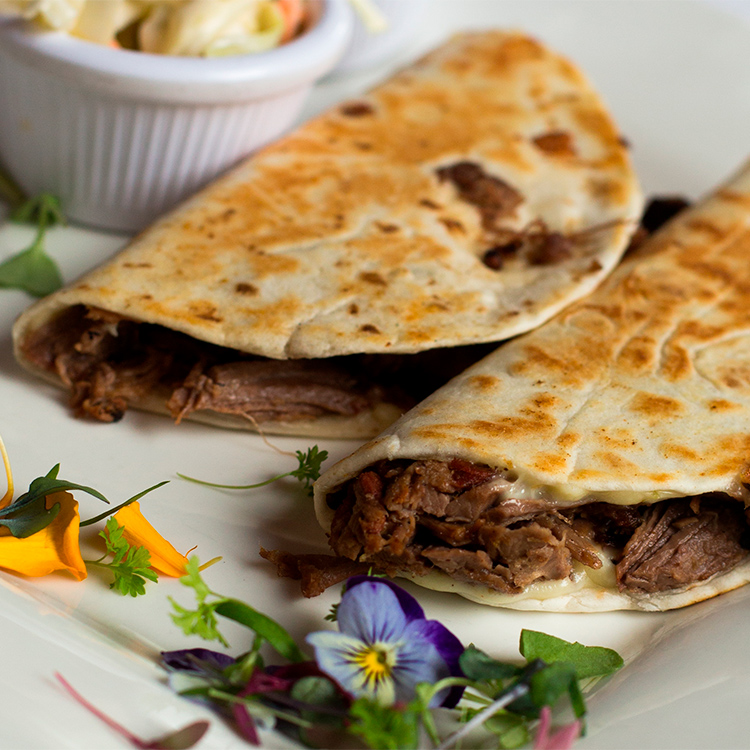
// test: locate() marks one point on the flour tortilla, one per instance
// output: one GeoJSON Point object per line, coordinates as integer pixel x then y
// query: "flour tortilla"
{"type": "Point", "coordinates": [638, 393]}
{"type": "Point", "coordinates": [343, 237]}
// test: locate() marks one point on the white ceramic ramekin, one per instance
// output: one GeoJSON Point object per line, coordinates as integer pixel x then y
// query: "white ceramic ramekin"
{"type": "Point", "coordinates": [122, 136]}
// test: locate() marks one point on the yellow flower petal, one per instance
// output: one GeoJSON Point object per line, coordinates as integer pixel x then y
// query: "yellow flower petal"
{"type": "Point", "coordinates": [53, 548]}
{"type": "Point", "coordinates": [139, 532]}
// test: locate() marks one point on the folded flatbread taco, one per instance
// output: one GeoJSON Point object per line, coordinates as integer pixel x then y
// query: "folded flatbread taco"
{"type": "Point", "coordinates": [599, 462]}
{"type": "Point", "coordinates": [465, 200]}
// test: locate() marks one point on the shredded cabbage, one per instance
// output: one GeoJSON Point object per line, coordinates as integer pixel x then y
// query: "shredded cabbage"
{"type": "Point", "coordinates": [171, 27]}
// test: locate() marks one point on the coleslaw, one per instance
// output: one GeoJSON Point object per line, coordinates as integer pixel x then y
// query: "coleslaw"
{"type": "Point", "coordinates": [207, 28]}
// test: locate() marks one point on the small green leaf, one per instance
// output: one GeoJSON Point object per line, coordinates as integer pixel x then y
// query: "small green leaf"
{"type": "Point", "coordinates": [28, 514]}
{"type": "Point", "coordinates": [43, 209]}
{"type": "Point", "coordinates": [308, 470]}
{"type": "Point", "coordinates": [277, 637]}
{"type": "Point", "coordinates": [30, 519]}
{"type": "Point", "coordinates": [477, 665]}
{"type": "Point", "coordinates": [44, 486]}
{"type": "Point", "coordinates": [550, 684]}
{"type": "Point", "coordinates": [130, 565]}
{"type": "Point", "coordinates": [333, 613]}
{"type": "Point", "coordinates": [202, 620]}
{"type": "Point", "coordinates": [32, 270]}
{"type": "Point", "coordinates": [318, 693]}
{"type": "Point", "coordinates": [511, 730]}
{"type": "Point", "coordinates": [384, 727]}
{"type": "Point", "coordinates": [588, 661]}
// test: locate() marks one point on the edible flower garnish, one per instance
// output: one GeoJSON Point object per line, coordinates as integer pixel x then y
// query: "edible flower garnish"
{"type": "Point", "coordinates": [307, 472]}
{"type": "Point", "coordinates": [562, 739]}
{"type": "Point", "coordinates": [381, 677]}
{"type": "Point", "coordinates": [52, 548]}
{"type": "Point", "coordinates": [385, 646]}
{"type": "Point", "coordinates": [39, 534]}
{"type": "Point", "coordinates": [33, 270]}
{"type": "Point", "coordinates": [138, 532]}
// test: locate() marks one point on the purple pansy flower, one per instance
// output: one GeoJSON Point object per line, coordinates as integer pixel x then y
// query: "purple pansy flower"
{"type": "Point", "coordinates": [199, 660]}
{"type": "Point", "coordinates": [385, 646]}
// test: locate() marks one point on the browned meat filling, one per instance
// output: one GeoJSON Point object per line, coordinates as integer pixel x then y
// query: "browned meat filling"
{"type": "Point", "coordinates": [110, 362]}
{"type": "Point", "coordinates": [463, 519]}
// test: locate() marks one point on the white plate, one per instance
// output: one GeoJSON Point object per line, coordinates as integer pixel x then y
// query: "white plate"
{"type": "Point", "coordinates": [677, 76]}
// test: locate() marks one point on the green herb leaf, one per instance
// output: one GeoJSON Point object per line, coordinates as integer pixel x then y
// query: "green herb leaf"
{"type": "Point", "coordinates": [130, 565]}
{"type": "Point", "coordinates": [43, 209]}
{"type": "Point", "coordinates": [333, 614]}
{"type": "Point", "coordinates": [318, 693]}
{"type": "Point", "coordinates": [477, 665]}
{"type": "Point", "coordinates": [308, 470]}
{"type": "Point", "coordinates": [202, 620]}
{"type": "Point", "coordinates": [588, 661]}
{"type": "Point", "coordinates": [511, 730]}
{"type": "Point", "coordinates": [268, 629]}
{"type": "Point", "coordinates": [32, 270]}
{"type": "Point", "coordinates": [385, 727]}
{"type": "Point", "coordinates": [549, 684]}
{"type": "Point", "coordinates": [31, 518]}
{"type": "Point", "coordinates": [29, 514]}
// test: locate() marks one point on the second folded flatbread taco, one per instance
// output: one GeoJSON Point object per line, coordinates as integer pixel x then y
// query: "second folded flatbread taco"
{"type": "Point", "coordinates": [597, 463]}
{"type": "Point", "coordinates": [465, 200]}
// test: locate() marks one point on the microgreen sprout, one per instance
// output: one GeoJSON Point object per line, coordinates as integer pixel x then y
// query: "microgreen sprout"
{"type": "Point", "coordinates": [32, 269]}
{"type": "Point", "coordinates": [306, 472]}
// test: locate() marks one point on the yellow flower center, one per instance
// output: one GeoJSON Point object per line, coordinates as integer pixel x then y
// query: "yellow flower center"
{"type": "Point", "coordinates": [376, 662]}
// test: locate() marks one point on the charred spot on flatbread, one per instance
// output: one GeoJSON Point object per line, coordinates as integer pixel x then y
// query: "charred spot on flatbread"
{"type": "Point", "coordinates": [492, 196]}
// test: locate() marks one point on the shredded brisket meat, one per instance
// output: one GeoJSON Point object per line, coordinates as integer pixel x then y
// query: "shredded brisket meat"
{"type": "Point", "coordinates": [109, 362]}
{"type": "Point", "coordinates": [683, 541]}
{"type": "Point", "coordinates": [462, 518]}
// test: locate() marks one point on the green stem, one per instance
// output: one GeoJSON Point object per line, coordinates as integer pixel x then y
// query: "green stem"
{"type": "Point", "coordinates": [110, 511]}
{"type": "Point", "coordinates": [234, 486]}
{"type": "Point", "coordinates": [98, 563]}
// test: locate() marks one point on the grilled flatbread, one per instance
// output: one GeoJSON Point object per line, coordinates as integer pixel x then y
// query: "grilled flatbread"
{"type": "Point", "coordinates": [465, 200]}
{"type": "Point", "coordinates": [599, 462]}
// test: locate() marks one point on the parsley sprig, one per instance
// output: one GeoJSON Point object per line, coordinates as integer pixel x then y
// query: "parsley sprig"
{"type": "Point", "coordinates": [306, 472]}
{"type": "Point", "coordinates": [129, 564]}
{"type": "Point", "coordinates": [32, 269]}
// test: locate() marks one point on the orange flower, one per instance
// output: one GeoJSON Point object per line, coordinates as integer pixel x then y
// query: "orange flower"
{"type": "Point", "coordinates": [53, 548]}
{"type": "Point", "coordinates": [165, 559]}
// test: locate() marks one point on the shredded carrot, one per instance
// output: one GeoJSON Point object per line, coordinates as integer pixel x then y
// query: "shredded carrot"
{"type": "Point", "coordinates": [294, 13]}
